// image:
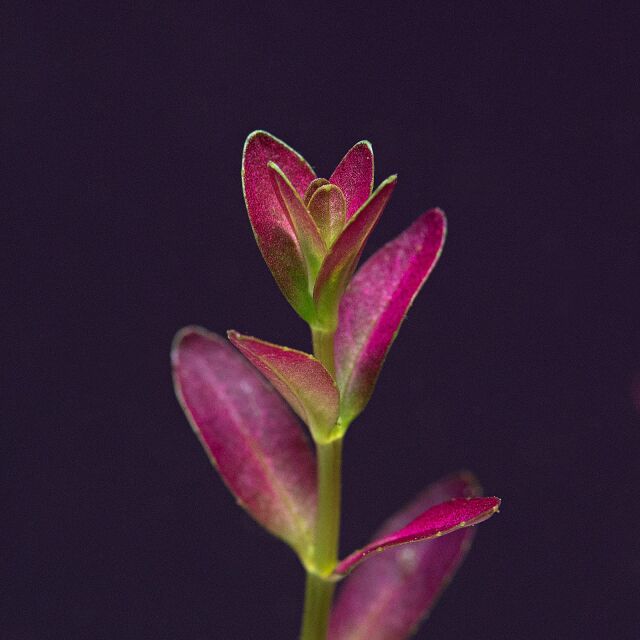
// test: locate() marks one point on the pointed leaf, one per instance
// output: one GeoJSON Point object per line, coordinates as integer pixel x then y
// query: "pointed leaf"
{"type": "Point", "coordinates": [299, 377]}
{"type": "Point", "coordinates": [341, 261]}
{"type": "Point", "coordinates": [435, 522]}
{"type": "Point", "coordinates": [375, 304]}
{"type": "Point", "coordinates": [354, 176]}
{"type": "Point", "coordinates": [249, 434]}
{"type": "Point", "coordinates": [327, 207]}
{"type": "Point", "coordinates": [304, 226]}
{"type": "Point", "coordinates": [389, 594]}
{"type": "Point", "coordinates": [274, 234]}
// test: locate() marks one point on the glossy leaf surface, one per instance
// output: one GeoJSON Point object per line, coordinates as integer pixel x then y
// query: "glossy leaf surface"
{"type": "Point", "coordinates": [387, 596]}
{"type": "Point", "coordinates": [271, 227]}
{"type": "Point", "coordinates": [354, 176]}
{"type": "Point", "coordinates": [375, 304]}
{"type": "Point", "coordinates": [249, 433]}
{"type": "Point", "coordinates": [341, 261]}
{"type": "Point", "coordinates": [299, 377]}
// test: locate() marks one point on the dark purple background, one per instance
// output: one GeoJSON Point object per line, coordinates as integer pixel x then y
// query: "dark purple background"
{"type": "Point", "coordinates": [123, 132]}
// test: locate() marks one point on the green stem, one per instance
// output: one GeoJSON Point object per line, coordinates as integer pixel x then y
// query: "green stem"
{"type": "Point", "coordinates": [317, 604]}
{"type": "Point", "coordinates": [323, 348]}
{"type": "Point", "coordinates": [319, 586]}
{"type": "Point", "coordinates": [328, 523]}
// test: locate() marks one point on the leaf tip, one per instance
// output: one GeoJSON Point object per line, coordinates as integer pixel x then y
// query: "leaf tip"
{"type": "Point", "coordinates": [184, 334]}
{"type": "Point", "coordinates": [364, 144]}
{"type": "Point", "coordinates": [259, 133]}
{"type": "Point", "coordinates": [493, 508]}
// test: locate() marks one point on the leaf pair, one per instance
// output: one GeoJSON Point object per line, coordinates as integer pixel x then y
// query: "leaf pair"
{"type": "Point", "coordinates": [262, 455]}
{"type": "Point", "coordinates": [371, 312]}
{"type": "Point", "coordinates": [311, 231]}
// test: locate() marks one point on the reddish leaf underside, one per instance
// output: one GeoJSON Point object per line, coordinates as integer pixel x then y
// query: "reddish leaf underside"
{"type": "Point", "coordinates": [354, 176]}
{"type": "Point", "coordinates": [272, 229]}
{"type": "Point", "coordinates": [375, 304]}
{"type": "Point", "coordinates": [435, 522]}
{"type": "Point", "coordinates": [341, 261]}
{"type": "Point", "coordinates": [249, 433]}
{"type": "Point", "coordinates": [299, 377]}
{"type": "Point", "coordinates": [387, 596]}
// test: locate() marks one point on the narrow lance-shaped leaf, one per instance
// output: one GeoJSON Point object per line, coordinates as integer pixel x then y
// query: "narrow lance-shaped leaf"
{"type": "Point", "coordinates": [435, 522]}
{"type": "Point", "coordinates": [249, 433]}
{"type": "Point", "coordinates": [354, 176]}
{"type": "Point", "coordinates": [304, 226]}
{"type": "Point", "coordinates": [271, 227]}
{"type": "Point", "coordinates": [299, 377]}
{"type": "Point", "coordinates": [341, 261]}
{"type": "Point", "coordinates": [387, 596]}
{"type": "Point", "coordinates": [375, 304]}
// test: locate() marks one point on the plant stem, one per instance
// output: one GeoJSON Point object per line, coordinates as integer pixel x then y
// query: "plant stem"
{"type": "Point", "coordinates": [323, 348]}
{"type": "Point", "coordinates": [328, 524]}
{"type": "Point", "coordinates": [317, 604]}
{"type": "Point", "coordinates": [319, 586]}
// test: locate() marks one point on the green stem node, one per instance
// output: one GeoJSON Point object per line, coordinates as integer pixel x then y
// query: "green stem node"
{"type": "Point", "coordinates": [317, 606]}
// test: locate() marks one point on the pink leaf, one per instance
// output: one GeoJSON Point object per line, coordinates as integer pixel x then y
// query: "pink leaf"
{"type": "Point", "coordinates": [249, 434]}
{"type": "Point", "coordinates": [433, 523]}
{"type": "Point", "coordinates": [341, 261]}
{"type": "Point", "coordinates": [299, 377]}
{"type": "Point", "coordinates": [354, 176]}
{"type": "Point", "coordinates": [304, 226]}
{"type": "Point", "coordinates": [388, 596]}
{"type": "Point", "coordinates": [274, 234]}
{"type": "Point", "coordinates": [375, 304]}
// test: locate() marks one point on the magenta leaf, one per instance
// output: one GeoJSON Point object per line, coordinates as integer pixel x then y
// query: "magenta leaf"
{"type": "Point", "coordinates": [299, 377]}
{"type": "Point", "coordinates": [389, 594]}
{"type": "Point", "coordinates": [304, 226]}
{"type": "Point", "coordinates": [354, 176]}
{"type": "Point", "coordinates": [273, 231]}
{"type": "Point", "coordinates": [341, 261]}
{"type": "Point", "coordinates": [327, 207]}
{"type": "Point", "coordinates": [435, 522]}
{"type": "Point", "coordinates": [249, 433]}
{"type": "Point", "coordinates": [375, 304]}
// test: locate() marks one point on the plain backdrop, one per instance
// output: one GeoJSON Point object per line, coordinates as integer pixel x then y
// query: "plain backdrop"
{"type": "Point", "coordinates": [122, 130]}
